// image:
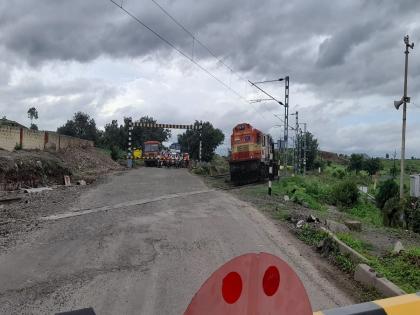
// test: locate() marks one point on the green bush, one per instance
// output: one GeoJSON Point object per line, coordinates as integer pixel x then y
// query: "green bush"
{"type": "Point", "coordinates": [115, 153]}
{"type": "Point", "coordinates": [411, 209]}
{"type": "Point", "coordinates": [18, 147]}
{"type": "Point", "coordinates": [386, 190]}
{"type": "Point", "coordinates": [338, 173]}
{"type": "Point", "coordinates": [346, 194]}
{"type": "Point", "coordinates": [393, 212]}
{"type": "Point", "coordinates": [367, 212]}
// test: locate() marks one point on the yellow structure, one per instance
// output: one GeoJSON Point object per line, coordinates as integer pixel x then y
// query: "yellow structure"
{"type": "Point", "coordinates": [137, 154]}
{"type": "Point", "coordinates": [408, 304]}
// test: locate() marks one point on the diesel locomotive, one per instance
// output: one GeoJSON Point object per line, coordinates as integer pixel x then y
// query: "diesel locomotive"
{"type": "Point", "coordinates": [250, 155]}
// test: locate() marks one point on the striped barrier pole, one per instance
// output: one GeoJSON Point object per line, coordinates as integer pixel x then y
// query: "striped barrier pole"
{"type": "Point", "coordinates": [129, 153]}
{"type": "Point", "coordinates": [270, 173]}
{"type": "Point", "coordinates": [408, 304]}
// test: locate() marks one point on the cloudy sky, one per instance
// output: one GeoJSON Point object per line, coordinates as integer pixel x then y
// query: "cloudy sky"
{"type": "Point", "coordinates": [344, 58]}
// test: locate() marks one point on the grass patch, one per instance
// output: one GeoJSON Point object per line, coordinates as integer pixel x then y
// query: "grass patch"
{"type": "Point", "coordinates": [310, 235]}
{"type": "Point", "coordinates": [366, 212]}
{"type": "Point", "coordinates": [280, 214]}
{"type": "Point", "coordinates": [304, 191]}
{"type": "Point", "coordinates": [357, 245]}
{"type": "Point", "coordinates": [343, 262]}
{"type": "Point", "coordinates": [402, 269]}
{"type": "Point", "coordinates": [313, 236]}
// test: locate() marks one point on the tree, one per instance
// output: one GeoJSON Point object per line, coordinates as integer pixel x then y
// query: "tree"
{"type": "Point", "coordinates": [142, 134]}
{"type": "Point", "coordinates": [81, 126]}
{"type": "Point", "coordinates": [211, 139]}
{"type": "Point", "coordinates": [115, 135]}
{"type": "Point", "coordinates": [387, 156]}
{"type": "Point", "coordinates": [311, 150]}
{"type": "Point", "coordinates": [386, 190]}
{"type": "Point", "coordinates": [33, 127]}
{"type": "Point", "coordinates": [372, 166]}
{"type": "Point", "coordinates": [345, 194]}
{"type": "Point", "coordinates": [32, 114]}
{"type": "Point", "coordinates": [356, 162]}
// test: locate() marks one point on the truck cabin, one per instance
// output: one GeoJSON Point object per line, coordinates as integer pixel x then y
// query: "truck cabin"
{"type": "Point", "coordinates": [151, 146]}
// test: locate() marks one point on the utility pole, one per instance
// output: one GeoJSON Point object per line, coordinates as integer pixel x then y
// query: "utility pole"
{"type": "Point", "coordinates": [286, 121]}
{"type": "Point", "coordinates": [304, 148]}
{"type": "Point", "coordinates": [201, 144]}
{"type": "Point", "coordinates": [286, 110]}
{"type": "Point", "coordinates": [297, 144]}
{"type": "Point", "coordinates": [405, 99]}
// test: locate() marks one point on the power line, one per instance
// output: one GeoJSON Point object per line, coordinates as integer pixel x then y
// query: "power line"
{"type": "Point", "coordinates": [135, 18]}
{"type": "Point", "coordinates": [175, 48]}
{"type": "Point", "coordinates": [195, 39]}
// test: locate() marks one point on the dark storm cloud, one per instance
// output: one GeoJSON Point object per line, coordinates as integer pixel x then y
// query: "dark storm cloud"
{"type": "Point", "coordinates": [338, 51]}
{"type": "Point", "coordinates": [349, 40]}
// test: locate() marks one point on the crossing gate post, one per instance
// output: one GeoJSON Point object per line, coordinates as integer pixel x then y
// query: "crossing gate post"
{"type": "Point", "coordinates": [270, 170]}
{"type": "Point", "coordinates": [129, 151]}
{"type": "Point", "coordinates": [201, 144]}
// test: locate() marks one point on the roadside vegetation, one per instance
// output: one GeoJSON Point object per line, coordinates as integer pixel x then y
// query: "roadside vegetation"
{"type": "Point", "coordinates": [361, 190]}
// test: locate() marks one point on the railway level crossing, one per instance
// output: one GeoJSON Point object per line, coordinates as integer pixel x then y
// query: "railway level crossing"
{"type": "Point", "coordinates": [132, 124]}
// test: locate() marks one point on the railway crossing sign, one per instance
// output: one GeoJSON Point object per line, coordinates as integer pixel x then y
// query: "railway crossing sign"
{"type": "Point", "coordinates": [252, 284]}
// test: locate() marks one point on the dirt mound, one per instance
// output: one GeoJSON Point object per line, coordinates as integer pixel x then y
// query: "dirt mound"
{"type": "Point", "coordinates": [41, 168]}
{"type": "Point", "coordinates": [30, 169]}
{"type": "Point", "coordinates": [87, 163]}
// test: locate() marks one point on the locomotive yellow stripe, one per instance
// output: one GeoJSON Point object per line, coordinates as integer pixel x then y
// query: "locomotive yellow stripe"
{"type": "Point", "coordinates": [246, 147]}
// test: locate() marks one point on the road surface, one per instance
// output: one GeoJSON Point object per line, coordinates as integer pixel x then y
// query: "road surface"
{"type": "Point", "coordinates": [143, 242]}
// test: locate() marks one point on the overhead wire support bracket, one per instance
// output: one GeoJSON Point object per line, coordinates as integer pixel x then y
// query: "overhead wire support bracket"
{"type": "Point", "coordinates": [269, 95]}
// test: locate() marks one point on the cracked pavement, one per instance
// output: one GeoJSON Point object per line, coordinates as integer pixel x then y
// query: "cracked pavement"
{"type": "Point", "coordinates": [136, 257]}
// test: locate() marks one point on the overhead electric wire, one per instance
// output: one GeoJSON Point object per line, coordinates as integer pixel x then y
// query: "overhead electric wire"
{"type": "Point", "coordinates": [135, 18]}
{"type": "Point", "coordinates": [219, 60]}
{"type": "Point", "coordinates": [177, 49]}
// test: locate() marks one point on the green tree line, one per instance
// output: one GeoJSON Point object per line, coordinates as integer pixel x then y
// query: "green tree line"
{"type": "Point", "coordinates": [115, 136]}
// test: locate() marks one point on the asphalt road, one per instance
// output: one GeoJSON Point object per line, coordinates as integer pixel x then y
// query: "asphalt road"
{"type": "Point", "coordinates": [143, 242]}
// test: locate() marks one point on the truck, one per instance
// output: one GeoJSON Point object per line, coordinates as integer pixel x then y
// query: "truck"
{"type": "Point", "coordinates": [151, 153]}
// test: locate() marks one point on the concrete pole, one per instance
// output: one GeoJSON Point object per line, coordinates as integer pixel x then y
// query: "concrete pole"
{"type": "Point", "coordinates": [297, 151]}
{"type": "Point", "coordinates": [286, 121]}
{"type": "Point", "coordinates": [201, 144]}
{"type": "Point", "coordinates": [404, 122]}
{"type": "Point", "coordinates": [270, 173]}
{"type": "Point", "coordinates": [304, 149]}
{"type": "Point", "coordinates": [200, 148]}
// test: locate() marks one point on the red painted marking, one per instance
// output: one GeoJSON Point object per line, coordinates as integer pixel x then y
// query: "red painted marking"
{"type": "Point", "coordinates": [271, 280]}
{"type": "Point", "coordinates": [260, 290]}
{"type": "Point", "coordinates": [232, 287]}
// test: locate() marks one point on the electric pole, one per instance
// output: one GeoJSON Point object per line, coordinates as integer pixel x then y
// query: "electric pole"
{"type": "Point", "coordinates": [286, 110]}
{"type": "Point", "coordinates": [405, 99]}
{"type": "Point", "coordinates": [286, 121]}
{"type": "Point", "coordinates": [304, 149]}
{"type": "Point", "coordinates": [296, 165]}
